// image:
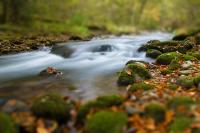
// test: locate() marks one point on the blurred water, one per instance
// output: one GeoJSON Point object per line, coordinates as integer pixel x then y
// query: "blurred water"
{"type": "Point", "coordinates": [88, 69]}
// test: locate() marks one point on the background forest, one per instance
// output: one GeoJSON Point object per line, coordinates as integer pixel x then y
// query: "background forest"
{"type": "Point", "coordinates": [79, 16]}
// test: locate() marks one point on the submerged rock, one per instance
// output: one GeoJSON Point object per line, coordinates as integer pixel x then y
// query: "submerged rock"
{"type": "Point", "coordinates": [62, 51]}
{"type": "Point", "coordinates": [104, 48]}
{"type": "Point", "coordinates": [50, 71]}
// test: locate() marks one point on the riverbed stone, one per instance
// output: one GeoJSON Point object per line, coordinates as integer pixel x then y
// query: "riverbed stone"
{"type": "Point", "coordinates": [50, 71]}
{"type": "Point", "coordinates": [152, 53]}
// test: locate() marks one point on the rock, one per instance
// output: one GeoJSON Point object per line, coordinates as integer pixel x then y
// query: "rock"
{"type": "Point", "coordinates": [142, 63]}
{"type": "Point", "coordinates": [180, 37]}
{"type": "Point", "coordinates": [14, 105]}
{"type": "Point", "coordinates": [175, 102]}
{"type": "Point", "coordinates": [104, 48]}
{"type": "Point", "coordinates": [50, 71]}
{"type": "Point", "coordinates": [186, 72]}
{"type": "Point", "coordinates": [174, 64]}
{"type": "Point", "coordinates": [186, 64]}
{"type": "Point", "coordinates": [166, 58]}
{"type": "Point", "coordinates": [63, 51]}
{"type": "Point", "coordinates": [52, 106]}
{"type": "Point", "coordinates": [153, 53]}
{"type": "Point", "coordinates": [106, 122]}
{"type": "Point", "coordinates": [140, 86]}
{"type": "Point", "coordinates": [194, 54]}
{"type": "Point", "coordinates": [131, 110]}
{"type": "Point", "coordinates": [185, 81]}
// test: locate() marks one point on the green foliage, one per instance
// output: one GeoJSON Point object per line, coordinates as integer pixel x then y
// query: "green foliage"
{"type": "Point", "coordinates": [180, 101]}
{"type": "Point", "coordinates": [141, 85]}
{"type": "Point", "coordinates": [6, 124]}
{"type": "Point", "coordinates": [156, 111]}
{"type": "Point", "coordinates": [194, 54]}
{"type": "Point", "coordinates": [166, 71]}
{"type": "Point", "coordinates": [180, 124]}
{"type": "Point", "coordinates": [106, 122]}
{"type": "Point", "coordinates": [100, 102]}
{"type": "Point", "coordinates": [52, 106]}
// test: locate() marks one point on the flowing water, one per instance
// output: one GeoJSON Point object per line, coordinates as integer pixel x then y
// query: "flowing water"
{"type": "Point", "coordinates": [89, 68]}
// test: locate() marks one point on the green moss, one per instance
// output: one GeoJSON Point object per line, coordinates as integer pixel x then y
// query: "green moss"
{"type": "Point", "coordinates": [180, 101]}
{"type": "Point", "coordinates": [172, 86]}
{"type": "Point", "coordinates": [156, 111]}
{"type": "Point", "coordinates": [194, 54]}
{"type": "Point", "coordinates": [185, 81]}
{"type": "Point", "coordinates": [187, 57]}
{"type": "Point", "coordinates": [180, 124]}
{"type": "Point", "coordinates": [174, 64]}
{"type": "Point", "coordinates": [52, 106]}
{"type": "Point", "coordinates": [139, 70]}
{"type": "Point", "coordinates": [197, 80]}
{"type": "Point", "coordinates": [125, 79]}
{"type": "Point", "coordinates": [166, 71]}
{"type": "Point", "coordinates": [166, 58]}
{"type": "Point", "coordinates": [141, 85]}
{"type": "Point", "coordinates": [100, 102]}
{"type": "Point", "coordinates": [153, 53]}
{"type": "Point", "coordinates": [6, 124]}
{"type": "Point", "coordinates": [106, 122]}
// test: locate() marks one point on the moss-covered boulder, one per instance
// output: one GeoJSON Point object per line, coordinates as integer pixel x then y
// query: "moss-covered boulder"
{"type": "Point", "coordinates": [140, 86]}
{"type": "Point", "coordinates": [180, 101]}
{"type": "Point", "coordinates": [106, 122]}
{"type": "Point", "coordinates": [125, 78]}
{"type": "Point", "coordinates": [6, 124]}
{"type": "Point", "coordinates": [152, 53]}
{"type": "Point", "coordinates": [166, 58]}
{"type": "Point", "coordinates": [99, 103]}
{"type": "Point", "coordinates": [194, 54]}
{"type": "Point", "coordinates": [166, 71]}
{"type": "Point", "coordinates": [139, 70]}
{"type": "Point", "coordinates": [132, 73]}
{"type": "Point", "coordinates": [156, 111]}
{"type": "Point", "coordinates": [168, 46]}
{"type": "Point", "coordinates": [180, 124]}
{"type": "Point", "coordinates": [174, 64]}
{"type": "Point", "coordinates": [52, 106]}
{"type": "Point", "coordinates": [180, 37]}
{"type": "Point", "coordinates": [197, 80]}
{"type": "Point", "coordinates": [185, 81]}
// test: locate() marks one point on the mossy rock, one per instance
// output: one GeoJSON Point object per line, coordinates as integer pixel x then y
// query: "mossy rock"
{"type": "Point", "coordinates": [153, 53]}
{"type": "Point", "coordinates": [99, 103]}
{"type": "Point", "coordinates": [197, 80]}
{"type": "Point", "coordinates": [166, 71]}
{"type": "Point", "coordinates": [166, 58]}
{"type": "Point", "coordinates": [106, 122]}
{"type": "Point", "coordinates": [140, 86]}
{"type": "Point", "coordinates": [194, 54]}
{"type": "Point", "coordinates": [185, 81]}
{"type": "Point", "coordinates": [155, 111]}
{"type": "Point", "coordinates": [172, 86]}
{"type": "Point", "coordinates": [174, 64]}
{"type": "Point", "coordinates": [180, 37]}
{"type": "Point", "coordinates": [6, 124]}
{"type": "Point", "coordinates": [168, 46]}
{"type": "Point", "coordinates": [125, 79]}
{"type": "Point", "coordinates": [180, 124]}
{"type": "Point", "coordinates": [52, 106]}
{"type": "Point", "coordinates": [180, 101]}
{"type": "Point", "coordinates": [139, 70]}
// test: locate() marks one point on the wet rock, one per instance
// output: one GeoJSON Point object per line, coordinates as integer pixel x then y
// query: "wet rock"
{"type": "Point", "coordinates": [153, 53]}
{"type": "Point", "coordinates": [142, 63]}
{"type": "Point", "coordinates": [104, 48]}
{"type": "Point", "coordinates": [166, 58]}
{"type": "Point", "coordinates": [50, 71]}
{"type": "Point", "coordinates": [63, 51]}
{"type": "Point", "coordinates": [180, 37]}
{"type": "Point", "coordinates": [14, 105]}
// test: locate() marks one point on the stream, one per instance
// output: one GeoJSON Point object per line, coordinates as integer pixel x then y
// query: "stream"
{"type": "Point", "coordinates": [89, 67]}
